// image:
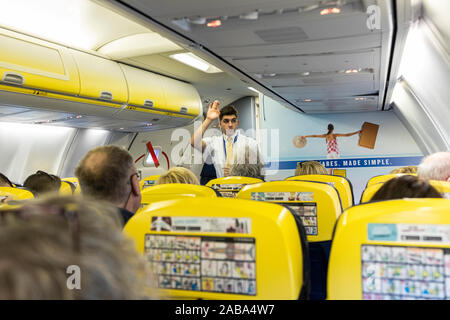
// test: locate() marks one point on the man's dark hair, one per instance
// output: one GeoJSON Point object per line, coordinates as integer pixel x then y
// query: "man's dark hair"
{"type": "Point", "coordinates": [41, 182]}
{"type": "Point", "coordinates": [406, 186]}
{"type": "Point", "coordinates": [4, 181]}
{"type": "Point", "coordinates": [228, 111]}
{"type": "Point", "coordinates": [105, 173]}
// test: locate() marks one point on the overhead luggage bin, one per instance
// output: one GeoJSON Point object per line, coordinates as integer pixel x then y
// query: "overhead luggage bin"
{"type": "Point", "coordinates": [26, 62]}
{"type": "Point", "coordinates": [145, 89]}
{"type": "Point", "coordinates": [100, 79]}
{"type": "Point", "coordinates": [181, 97]}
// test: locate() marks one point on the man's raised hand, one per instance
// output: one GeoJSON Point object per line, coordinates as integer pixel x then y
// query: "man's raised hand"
{"type": "Point", "coordinates": [213, 110]}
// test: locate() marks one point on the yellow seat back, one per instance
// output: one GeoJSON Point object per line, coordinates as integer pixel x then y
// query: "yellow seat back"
{"type": "Point", "coordinates": [148, 181]}
{"type": "Point", "coordinates": [67, 188]}
{"type": "Point", "coordinates": [228, 187]}
{"type": "Point", "coordinates": [175, 190]}
{"type": "Point", "coordinates": [369, 192]}
{"type": "Point", "coordinates": [74, 182]}
{"type": "Point", "coordinates": [218, 248]}
{"type": "Point", "coordinates": [386, 177]}
{"type": "Point", "coordinates": [396, 249]}
{"type": "Point", "coordinates": [316, 203]}
{"type": "Point", "coordinates": [443, 187]}
{"type": "Point", "coordinates": [342, 185]}
{"type": "Point", "coordinates": [15, 194]}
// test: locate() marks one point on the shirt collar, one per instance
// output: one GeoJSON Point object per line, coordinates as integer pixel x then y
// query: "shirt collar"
{"type": "Point", "coordinates": [234, 136]}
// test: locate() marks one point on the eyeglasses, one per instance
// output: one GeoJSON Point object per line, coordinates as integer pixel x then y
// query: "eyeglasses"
{"type": "Point", "coordinates": [226, 121]}
{"type": "Point", "coordinates": [68, 212]}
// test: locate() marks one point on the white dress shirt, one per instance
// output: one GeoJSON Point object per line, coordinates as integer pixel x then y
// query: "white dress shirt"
{"type": "Point", "coordinates": [242, 146]}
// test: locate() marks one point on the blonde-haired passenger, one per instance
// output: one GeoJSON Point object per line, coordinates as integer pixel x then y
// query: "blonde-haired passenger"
{"type": "Point", "coordinates": [310, 167]}
{"type": "Point", "coordinates": [178, 175]}
{"type": "Point", "coordinates": [408, 169]}
{"type": "Point", "coordinates": [45, 242]}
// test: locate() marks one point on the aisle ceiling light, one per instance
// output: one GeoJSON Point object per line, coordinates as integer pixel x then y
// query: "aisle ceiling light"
{"type": "Point", "coordinates": [214, 23]}
{"type": "Point", "coordinates": [193, 61]}
{"type": "Point", "coordinates": [330, 11]}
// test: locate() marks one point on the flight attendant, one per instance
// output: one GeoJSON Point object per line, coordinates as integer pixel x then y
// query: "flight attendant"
{"type": "Point", "coordinates": [229, 148]}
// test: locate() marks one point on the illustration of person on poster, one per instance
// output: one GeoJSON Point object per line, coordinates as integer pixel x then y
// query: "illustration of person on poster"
{"type": "Point", "coordinates": [331, 140]}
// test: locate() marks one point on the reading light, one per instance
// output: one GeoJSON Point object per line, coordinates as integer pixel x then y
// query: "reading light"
{"type": "Point", "coordinates": [193, 61]}
{"type": "Point", "coordinates": [305, 73]}
{"type": "Point", "coordinates": [351, 71]}
{"type": "Point", "coordinates": [214, 23]}
{"type": "Point", "coordinates": [307, 100]}
{"type": "Point", "coordinates": [79, 116]}
{"type": "Point", "coordinates": [330, 11]}
{"type": "Point", "coordinates": [253, 89]}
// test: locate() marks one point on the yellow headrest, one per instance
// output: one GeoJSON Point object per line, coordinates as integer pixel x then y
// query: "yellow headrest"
{"type": "Point", "coordinates": [316, 203]}
{"type": "Point", "coordinates": [15, 193]}
{"type": "Point", "coordinates": [229, 186]}
{"type": "Point", "coordinates": [75, 182]}
{"type": "Point", "coordinates": [175, 190]}
{"type": "Point", "coordinates": [386, 177]}
{"type": "Point", "coordinates": [342, 185]}
{"type": "Point", "coordinates": [66, 188]}
{"type": "Point", "coordinates": [148, 181]}
{"type": "Point", "coordinates": [442, 187]}
{"type": "Point", "coordinates": [391, 249]}
{"type": "Point", "coordinates": [218, 248]}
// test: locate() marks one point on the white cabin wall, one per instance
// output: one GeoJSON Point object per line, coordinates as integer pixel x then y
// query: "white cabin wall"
{"type": "Point", "coordinates": [421, 95]}
{"type": "Point", "coordinates": [85, 140]}
{"type": "Point", "coordinates": [394, 146]}
{"type": "Point", "coordinates": [174, 142]}
{"type": "Point", "coordinates": [26, 148]}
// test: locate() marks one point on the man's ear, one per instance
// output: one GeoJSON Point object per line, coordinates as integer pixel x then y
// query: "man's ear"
{"type": "Point", "coordinates": [448, 179]}
{"type": "Point", "coordinates": [135, 185]}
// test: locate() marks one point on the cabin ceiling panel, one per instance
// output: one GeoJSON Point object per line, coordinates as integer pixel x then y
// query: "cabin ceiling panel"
{"type": "Point", "coordinates": [339, 90]}
{"type": "Point", "coordinates": [311, 63]}
{"type": "Point", "coordinates": [338, 108]}
{"type": "Point", "coordinates": [354, 43]}
{"type": "Point", "coordinates": [178, 8]}
{"type": "Point", "coordinates": [325, 80]}
{"type": "Point", "coordinates": [285, 40]}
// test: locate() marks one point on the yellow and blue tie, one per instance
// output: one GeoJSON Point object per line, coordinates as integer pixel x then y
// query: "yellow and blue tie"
{"type": "Point", "coordinates": [229, 150]}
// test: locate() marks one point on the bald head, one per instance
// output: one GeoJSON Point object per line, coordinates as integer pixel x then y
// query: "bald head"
{"type": "Point", "coordinates": [435, 167]}
{"type": "Point", "coordinates": [105, 173]}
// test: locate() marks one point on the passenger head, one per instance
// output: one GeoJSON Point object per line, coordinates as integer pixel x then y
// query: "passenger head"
{"type": "Point", "coordinates": [4, 181]}
{"type": "Point", "coordinates": [310, 167]}
{"type": "Point", "coordinates": [178, 175]}
{"type": "Point", "coordinates": [247, 170]}
{"type": "Point", "coordinates": [406, 186]}
{"type": "Point", "coordinates": [108, 173]}
{"type": "Point", "coordinates": [435, 167]}
{"type": "Point", "coordinates": [330, 128]}
{"type": "Point", "coordinates": [44, 242]}
{"type": "Point", "coordinates": [408, 169]}
{"type": "Point", "coordinates": [228, 120]}
{"type": "Point", "coordinates": [41, 183]}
